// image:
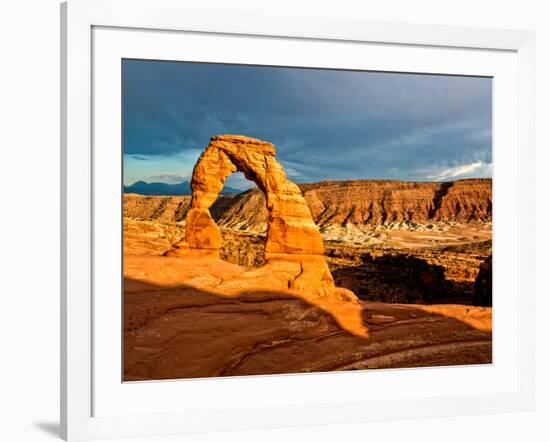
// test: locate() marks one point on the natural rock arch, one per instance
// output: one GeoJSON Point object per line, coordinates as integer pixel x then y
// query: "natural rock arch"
{"type": "Point", "coordinates": [292, 235]}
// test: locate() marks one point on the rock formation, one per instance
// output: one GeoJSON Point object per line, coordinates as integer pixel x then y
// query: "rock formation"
{"type": "Point", "coordinates": [375, 202]}
{"type": "Point", "coordinates": [293, 240]}
{"type": "Point", "coordinates": [419, 220]}
{"type": "Point", "coordinates": [270, 304]}
{"type": "Point", "coordinates": [336, 203]}
{"type": "Point", "coordinates": [184, 331]}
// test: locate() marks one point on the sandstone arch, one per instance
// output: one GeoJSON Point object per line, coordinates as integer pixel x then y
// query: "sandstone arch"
{"type": "Point", "coordinates": [292, 236]}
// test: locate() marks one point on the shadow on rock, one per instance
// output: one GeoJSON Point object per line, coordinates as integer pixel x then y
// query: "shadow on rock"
{"type": "Point", "coordinates": [403, 278]}
{"type": "Point", "coordinates": [186, 332]}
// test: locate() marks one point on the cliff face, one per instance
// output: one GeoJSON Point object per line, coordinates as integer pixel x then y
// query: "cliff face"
{"type": "Point", "coordinates": [361, 202]}
{"type": "Point", "coordinates": [386, 202]}
{"type": "Point", "coordinates": [466, 200]}
{"type": "Point", "coordinates": [168, 209]}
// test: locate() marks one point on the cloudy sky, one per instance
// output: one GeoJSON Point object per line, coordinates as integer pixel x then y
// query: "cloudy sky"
{"type": "Point", "coordinates": [325, 124]}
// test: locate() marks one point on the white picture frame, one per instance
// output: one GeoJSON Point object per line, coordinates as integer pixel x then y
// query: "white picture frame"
{"type": "Point", "coordinates": [81, 377]}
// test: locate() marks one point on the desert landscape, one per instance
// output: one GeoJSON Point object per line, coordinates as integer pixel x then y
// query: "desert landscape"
{"type": "Point", "coordinates": [296, 278]}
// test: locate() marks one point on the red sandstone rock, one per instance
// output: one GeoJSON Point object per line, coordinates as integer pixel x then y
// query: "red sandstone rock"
{"type": "Point", "coordinates": [198, 317]}
{"type": "Point", "coordinates": [292, 236]}
{"type": "Point", "coordinates": [201, 231]}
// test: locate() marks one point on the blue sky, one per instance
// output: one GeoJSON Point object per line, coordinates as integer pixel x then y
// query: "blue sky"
{"type": "Point", "coordinates": [325, 124]}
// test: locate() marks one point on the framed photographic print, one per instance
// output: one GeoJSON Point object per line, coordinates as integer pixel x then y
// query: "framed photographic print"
{"type": "Point", "coordinates": [283, 221]}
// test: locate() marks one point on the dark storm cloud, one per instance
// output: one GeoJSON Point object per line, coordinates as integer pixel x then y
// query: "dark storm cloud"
{"type": "Point", "coordinates": [326, 124]}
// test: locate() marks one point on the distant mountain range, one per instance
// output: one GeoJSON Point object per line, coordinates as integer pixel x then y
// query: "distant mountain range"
{"type": "Point", "coordinates": [165, 189]}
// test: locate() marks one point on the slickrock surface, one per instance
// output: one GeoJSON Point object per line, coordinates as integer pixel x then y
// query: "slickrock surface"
{"type": "Point", "coordinates": [202, 317]}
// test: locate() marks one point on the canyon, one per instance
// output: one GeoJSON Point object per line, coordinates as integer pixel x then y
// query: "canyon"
{"type": "Point", "coordinates": [287, 278]}
{"type": "Point", "coordinates": [387, 241]}
{"type": "Point", "coordinates": [414, 267]}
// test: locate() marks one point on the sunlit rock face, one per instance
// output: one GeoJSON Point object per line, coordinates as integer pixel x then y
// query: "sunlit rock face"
{"type": "Point", "coordinates": [293, 245]}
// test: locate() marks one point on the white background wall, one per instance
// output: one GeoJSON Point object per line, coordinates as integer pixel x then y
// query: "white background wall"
{"type": "Point", "coordinates": [29, 207]}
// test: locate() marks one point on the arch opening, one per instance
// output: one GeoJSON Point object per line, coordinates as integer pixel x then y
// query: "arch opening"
{"type": "Point", "coordinates": [293, 247]}
{"type": "Point", "coordinates": [294, 252]}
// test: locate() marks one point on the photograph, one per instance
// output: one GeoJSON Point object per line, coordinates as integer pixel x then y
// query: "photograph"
{"type": "Point", "coordinates": [292, 220]}
{"type": "Point", "coordinates": [260, 221]}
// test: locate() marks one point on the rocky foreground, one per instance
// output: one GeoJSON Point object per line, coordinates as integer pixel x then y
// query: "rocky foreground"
{"type": "Point", "coordinates": [202, 317]}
